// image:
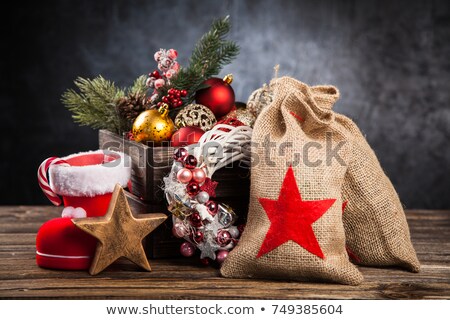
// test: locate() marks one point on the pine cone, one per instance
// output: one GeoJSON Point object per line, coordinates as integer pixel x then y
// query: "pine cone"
{"type": "Point", "coordinates": [130, 107]}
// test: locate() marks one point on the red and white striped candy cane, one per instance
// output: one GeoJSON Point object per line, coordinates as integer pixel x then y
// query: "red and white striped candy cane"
{"type": "Point", "coordinates": [43, 181]}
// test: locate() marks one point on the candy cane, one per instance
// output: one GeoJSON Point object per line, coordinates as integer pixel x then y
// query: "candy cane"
{"type": "Point", "coordinates": [43, 181]}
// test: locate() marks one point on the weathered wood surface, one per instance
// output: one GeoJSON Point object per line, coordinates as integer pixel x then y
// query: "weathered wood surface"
{"type": "Point", "coordinates": [185, 279]}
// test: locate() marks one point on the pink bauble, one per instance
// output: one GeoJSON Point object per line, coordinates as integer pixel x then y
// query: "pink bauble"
{"type": "Point", "coordinates": [221, 256]}
{"type": "Point", "coordinates": [179, 230]}
{"type": "Point", "coordinates": [184, 175]}
{"type": "Point", "coordinates": [187, 249]}
{"type": "Point", "coordinates": [198, 175]}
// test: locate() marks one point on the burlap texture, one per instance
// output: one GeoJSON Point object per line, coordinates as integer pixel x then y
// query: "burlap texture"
{"type": "Point", "coordinates": [376, 231]}
{"type": "Point", "coordinates": [294, 120]}
{"type": "Point", "coordinates": [375, 224]}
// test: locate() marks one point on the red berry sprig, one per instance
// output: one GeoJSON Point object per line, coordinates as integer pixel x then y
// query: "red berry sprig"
{"type": "Point", "coordinates": [173, 98]}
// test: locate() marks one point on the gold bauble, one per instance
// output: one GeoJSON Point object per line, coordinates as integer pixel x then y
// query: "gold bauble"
{"type": "Point", "coordinates": [196, 115]}
{"type": "Point", "coordinates": [153, 125]}
{"type": "Point", "coordinates": [242, 114]}
{"type": "Point", "coordinates": [259, 99]}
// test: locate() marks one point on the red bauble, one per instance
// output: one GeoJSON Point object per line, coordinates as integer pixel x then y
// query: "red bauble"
{"type": "Point", "coordinates": [219, 96]}
{"type": "Point", "coordinates": [192, 189]}
{"type": "Point", "coordinates": [186, 136]}
{"type": "Point", "coordinates": [190, 162]}
{"type": "Point", "coordinates": [197, 236]}
{"type": "Point", "coordinates": [196, 220]}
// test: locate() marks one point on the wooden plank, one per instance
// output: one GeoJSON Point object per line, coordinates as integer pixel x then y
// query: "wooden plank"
{"type": "Point", "coordinates": [187, 279]}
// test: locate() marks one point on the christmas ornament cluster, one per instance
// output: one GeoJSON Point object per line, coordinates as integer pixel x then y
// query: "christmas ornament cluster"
{"type": "Point", "coordinates": [178, 106]}
{"type": "Point", "coordinates": [198, 218]}
{"type": "Point", "coordinates": [173, 104]}
{"type": "Point", "coordinates": [304, 222]}
{"type": "Point", "coordinates": [214, 101]}
{"type": "Point", "coordinates": [202, 221]}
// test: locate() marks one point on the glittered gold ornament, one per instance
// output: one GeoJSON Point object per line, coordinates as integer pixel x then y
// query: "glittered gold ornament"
{"type": "Point", "coordinates": [153, 125]}
{"type": "Point", "coordinates": [241, 113]}
{"type": "Point", "coordinates": [196, 115]}
{"type": "Point", "coordinates": [259, 99]}
{"type": "Point", "coordinates": [244, 116]}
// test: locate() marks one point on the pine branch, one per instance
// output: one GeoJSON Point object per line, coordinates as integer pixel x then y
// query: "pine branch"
{"type": "Point", "coordinates": [139, 86]}
{"type": "Point", "coordinates": [95, 103]}
{"type": "Point", "coordinates": [211, 53]}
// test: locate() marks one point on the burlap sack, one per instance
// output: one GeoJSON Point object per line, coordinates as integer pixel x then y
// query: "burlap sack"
{"type": "Point", "coordinates": [376, 230]}
{"type": "Point", "coordinates": [294, 228]}
{"type": "Point", "coordinates": [375, 224]}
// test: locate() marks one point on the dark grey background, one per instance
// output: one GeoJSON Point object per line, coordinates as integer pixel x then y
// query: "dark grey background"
{"type": "Point", "coordinates": [390, 60]}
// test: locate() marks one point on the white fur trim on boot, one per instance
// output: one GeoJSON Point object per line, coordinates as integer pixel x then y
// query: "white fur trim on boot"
{"type": "Point", "coordinates": [90, 180]}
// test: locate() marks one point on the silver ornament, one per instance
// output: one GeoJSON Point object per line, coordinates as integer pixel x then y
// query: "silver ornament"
{"type": "Point", "coordinates": [234, 232]}
{"type": "Point", "coordinates": [196, 115]}
{"type": "Point", "coordinates": [177, 166]}
{"type": "Point", "coordinates": [226, 215]}
{"type": "Point", "coordinates": [202, 197]}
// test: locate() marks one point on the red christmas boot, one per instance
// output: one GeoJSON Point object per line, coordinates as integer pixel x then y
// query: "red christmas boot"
{"type": "Point", "coordinates": [86, 182]}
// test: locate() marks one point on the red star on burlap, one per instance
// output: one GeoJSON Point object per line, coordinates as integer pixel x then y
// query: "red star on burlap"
{"type": "Point", "coordinates": [291, 218]}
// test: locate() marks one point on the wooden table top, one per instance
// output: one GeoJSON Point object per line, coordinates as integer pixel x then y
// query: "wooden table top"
{"type": "Point", "coordinates": [185, 279]}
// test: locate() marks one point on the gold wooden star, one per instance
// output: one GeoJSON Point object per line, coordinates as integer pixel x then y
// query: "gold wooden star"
{"type": "Point", "coordinates": [120, 234]}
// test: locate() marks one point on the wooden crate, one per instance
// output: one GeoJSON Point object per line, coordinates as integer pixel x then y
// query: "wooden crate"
{"type": "Point", "coordinates": [149, 166]}
{"type": "Point", "coordinates": [160, 243]}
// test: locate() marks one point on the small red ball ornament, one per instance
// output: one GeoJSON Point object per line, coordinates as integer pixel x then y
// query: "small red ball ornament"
{"type": "Point", "coordinates": [180, 154]}
{"type": "Point", "coordinates": [186, 136]}
{"type": "Point", "coordinates": [221, 256]}
{"type": "Point", "coordinates": [197, 236]}
{"type": "Point", "coordinates": [196, 220]}
{"type": "Point", "coordinates": [223, 238]}
{"type": "Point", "coordinates": [192, 188]}
{"type": "Point", "coordinates": [212, 207]}
{"type": "Point", "coordinates": [219, 96]}
{"type": "Point", "coordinates": [190, 162]}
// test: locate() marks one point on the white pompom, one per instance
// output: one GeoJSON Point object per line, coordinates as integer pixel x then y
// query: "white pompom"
{"type": "Point", "coordinates": [79, 213]}
{"type": "Point", "coordinates": [67, 212]}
